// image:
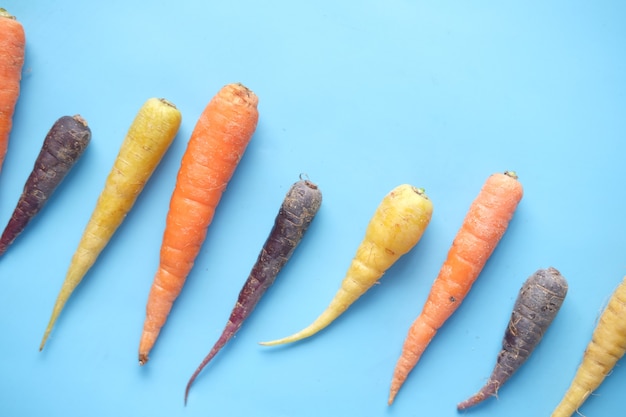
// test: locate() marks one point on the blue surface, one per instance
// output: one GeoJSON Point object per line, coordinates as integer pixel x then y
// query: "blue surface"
{"type": "Point", "coordinates": [361, 97]}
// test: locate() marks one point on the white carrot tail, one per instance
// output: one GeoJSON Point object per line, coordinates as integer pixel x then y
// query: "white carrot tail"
{"type": "Point", "coordinates": [338, 305]}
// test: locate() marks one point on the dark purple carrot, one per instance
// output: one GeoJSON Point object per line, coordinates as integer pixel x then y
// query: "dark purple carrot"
{"type": "Point", "coordinates": [62, 147]}
{"type": "Point", "coordinates": [537, 304]}
{"type": "Point", "coordinates": [298, 209]}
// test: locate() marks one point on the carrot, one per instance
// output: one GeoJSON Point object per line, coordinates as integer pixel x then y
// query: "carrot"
{"type": "Point", "coordinates": [215, 147]}
{"type": "Point", "coordinates": [607, 346]}
{"type": "Point", "coordinates": [12, 48]}
{"type": "Point", "coordinates": [483, 227]}
{"type": "Point", "coordinates": [395, 228]}
{"type": "Point", "coordinates": [296, 213]}
{"type": "Point", "coordinates": [148, 138]}
{"type": "Point", "coordinates": [63, 146]}
{"type": "Point", "coordinates": [538, 302]}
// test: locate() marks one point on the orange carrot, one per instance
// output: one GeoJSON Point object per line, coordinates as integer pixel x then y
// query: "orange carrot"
{"type": "Point", "coordinates": [12, 46]}
{"type": "Point", "coordinates": [483, 227]}
{"type": "Point", "coordinates": [215, 147]}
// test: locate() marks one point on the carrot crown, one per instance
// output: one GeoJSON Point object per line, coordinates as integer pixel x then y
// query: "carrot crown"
{"type": "Point", "coordinates": [5, 14]}
{"type": "Point", "coordinates": [511, 174]}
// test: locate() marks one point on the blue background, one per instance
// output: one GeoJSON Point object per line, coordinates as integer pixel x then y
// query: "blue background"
{"type": "Point", "coordinates": [361, 96]}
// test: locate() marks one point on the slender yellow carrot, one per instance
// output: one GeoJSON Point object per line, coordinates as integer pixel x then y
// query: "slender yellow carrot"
{"type": "Point", "coordinates": [147, 140]}
{"type": "Point", "coordinates": [395, 228]}
{"type": "Point", "coordinates": [607, 346]}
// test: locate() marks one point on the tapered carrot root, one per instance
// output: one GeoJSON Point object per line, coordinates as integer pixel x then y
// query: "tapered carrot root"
{"type": "Point", "coordinates": [395, 228]}
{"type": "Point", "coordinates": [296, 213]}
{"type": "Point", "coordinates": [12, 48]}
{"type": "Point", "coordinates": [607, 346]}
{"type": "Point", "coordinates": [214, 150]}
{"type": "Point", "coordinates": [538, 302]}
{"type": "Point", "coordinates": [63, 146]}
{"type": "Point", "coordinates": [484, 225]}
{"type": "Point", "coordinates": [147, 140]}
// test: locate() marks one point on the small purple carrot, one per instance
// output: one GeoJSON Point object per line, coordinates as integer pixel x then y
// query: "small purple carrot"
{"type": "Point", "coordinates": [63, 146]}
{"type": "Point", "coordinates": [537, 304]}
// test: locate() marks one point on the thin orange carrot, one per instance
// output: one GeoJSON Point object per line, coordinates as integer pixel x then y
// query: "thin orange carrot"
{"type": "Point", "coordinates": [215, 147]}
{"type": "Point", "coordinates": [483, 227]}
{"type": "Point", "coordinates": [12, 48]}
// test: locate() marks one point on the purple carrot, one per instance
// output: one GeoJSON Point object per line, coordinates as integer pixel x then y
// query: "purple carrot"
{"type": "Point", "coordinates": [62, 147]}
{"type": "Point", "coordinates": [537, 304]}
{"type": "Point", "coordinates": [298, 209]}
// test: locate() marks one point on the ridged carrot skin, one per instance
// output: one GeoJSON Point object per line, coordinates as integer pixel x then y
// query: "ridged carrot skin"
{"type": "Point", "coordinates": [296, 213]}
{"type": "Point", "coordinates": [395, 228]}
{"type": "Point", "coordinates": [62, 147]}
{"type": "Point", "coordinates": [152, 131]}
{"type": "Point", "coordinates": [213, 152]}
{"type": "Point", "coordinates": [538, 302]}
{"type": "Point", "coordinates": [606, 348]}
{"type": "Point", "coordinates": [484, 225]}
{"type": "Point", "coordinates": [12, 49]}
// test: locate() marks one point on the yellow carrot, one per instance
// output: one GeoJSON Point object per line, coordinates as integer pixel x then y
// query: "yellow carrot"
{"type": "Point", "coordinates": [607, 346]}
{"type": "Point", "coordinates": [395, 228]}
{"type": "Point", "coordinates": [147, 140]}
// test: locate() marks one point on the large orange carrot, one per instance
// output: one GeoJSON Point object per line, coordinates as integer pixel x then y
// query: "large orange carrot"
{"type": "Point", "coordinates": [215, 147]}
{"type": "Point", "coordinates": [12, 46]}
{"type": "Point", "coordinates": [483, 227]}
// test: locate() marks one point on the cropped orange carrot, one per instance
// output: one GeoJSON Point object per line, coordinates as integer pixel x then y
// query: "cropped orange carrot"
{"type": "Point", "coordinates": [215, 147]}
{"type": "Point", "coordinates": [12, 48]}
{"type": "Point", "coordinates": [606, 347]}
{"type": "Point", "coordinates": [395, 228]}
{"type": "Point", "coordinates": [148, 137]}
{"type": "Point", "coordinates": [483, 227]}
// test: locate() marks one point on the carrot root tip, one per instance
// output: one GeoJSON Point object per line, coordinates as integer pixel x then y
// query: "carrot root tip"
{"type": "Point", "coordinates": [392, 397]}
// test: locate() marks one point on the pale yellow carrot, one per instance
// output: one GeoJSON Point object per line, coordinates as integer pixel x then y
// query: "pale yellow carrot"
{"type": "Point", "coordinates": [147, 140]}
{"type": "Point", "coordinates": [395, 228]}
{"type": "Point", "coordinates": [607, 346]}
